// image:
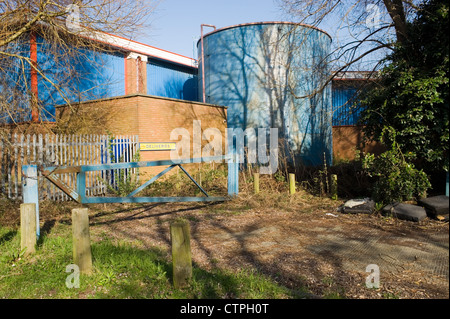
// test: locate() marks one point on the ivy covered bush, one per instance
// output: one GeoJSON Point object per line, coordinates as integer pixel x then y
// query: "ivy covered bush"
{"type": "Point", "coordinates": [396, 179]}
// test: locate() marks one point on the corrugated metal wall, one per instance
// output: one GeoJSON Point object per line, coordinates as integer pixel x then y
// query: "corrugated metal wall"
{"type": "Point", "coordinates": [345, 112]}
{"type": "Point", "coordinates": [172, 81]}
{"type": "Point", "coordinates": [80, 75]}
{"type": "Point", "coordinates": [15, 83]}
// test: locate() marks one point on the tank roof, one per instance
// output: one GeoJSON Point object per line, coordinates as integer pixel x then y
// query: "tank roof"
{"type": "Point", "coordinates": [266, 22]}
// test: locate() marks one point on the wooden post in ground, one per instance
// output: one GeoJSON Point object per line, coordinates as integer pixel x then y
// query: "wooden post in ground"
{"type": "Point", "coordinates": [292, 184]}
{"type": "Point", "coordinates": [31, 191]}
{"type": "Point", "coordinates": [233, 173]}
{"type": "Point", "coordinates": [334, 187]}
{"type": "Point", "coordinates": [180, 235]}
{"type": "Point", "coordinates": [256, 182]}
{"type": "Point", "coordinates": [446, 186]}
{"type": "Point", "coordinates": [82, 255]}
{"type": "Point", "coordinates": [28, 228]}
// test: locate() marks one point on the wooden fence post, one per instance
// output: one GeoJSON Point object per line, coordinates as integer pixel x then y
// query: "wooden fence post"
{"type": "Point", "coordinates": [82, 255]}
{"type": "Point", "coordinates": [292, 184]}
{"type": "Point", "coordinates": [256, 182]}
{"type": "Point", "coordinates": [233, 173]}
{"type": "Point", "coordinates": [28, 228]}
{"type": "Point", "coordinates": [446, 186]}
{"type": "Point", "coordinates": [181, 253]}
{"type": "Point", "coordinates": [334, 187]}
{"type": "Point", "coordinates": [31, 191]}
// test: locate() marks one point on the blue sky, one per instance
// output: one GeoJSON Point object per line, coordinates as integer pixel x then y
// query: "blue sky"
{"type": "Point", "coordinates": [176, 23]}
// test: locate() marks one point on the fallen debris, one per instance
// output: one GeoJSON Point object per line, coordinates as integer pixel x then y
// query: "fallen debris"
{"type": "Point", "coordinates": [358, 206]}
{"type": "Point", "coordinates": [405, 212]}
{"type": "Point", "coordinates": [436, 206]}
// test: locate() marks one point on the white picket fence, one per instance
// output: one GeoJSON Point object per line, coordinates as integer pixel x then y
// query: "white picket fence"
{"type": "Point", "coordinates": [17, 150]}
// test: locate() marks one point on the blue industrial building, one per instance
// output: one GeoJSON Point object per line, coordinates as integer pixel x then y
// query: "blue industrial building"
{"type": "Point", "coordinates": [265, 73]}
{"type": "Point", "coordinates": [347, 87]}
{"type": "Point", "coordinates": [86, 74]}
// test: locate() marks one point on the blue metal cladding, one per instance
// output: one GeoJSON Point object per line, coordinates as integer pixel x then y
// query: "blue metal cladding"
{"type": "Point", "coordinates": [15, 83]}
{"type": "Point", "coordinates": [172, 81]}
{"type": "Point", "coordinates": [345, 110]}
{"type": "Point", "coordinates": [273, 75]}
{"type": "Point", "coordinates": [77, 75]}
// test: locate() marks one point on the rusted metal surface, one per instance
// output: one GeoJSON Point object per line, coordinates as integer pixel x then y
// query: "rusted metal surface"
{"type": "Point", "coordinates": [50, 175]}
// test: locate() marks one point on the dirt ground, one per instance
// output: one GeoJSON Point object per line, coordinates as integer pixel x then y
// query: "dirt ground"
{"type": "Point", "coordinates": [308, 247]}
{"type": "Point", "coordinates": [316, 250]}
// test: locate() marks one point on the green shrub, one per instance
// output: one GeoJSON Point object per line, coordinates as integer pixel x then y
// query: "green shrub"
{"type": "Point", "coordinates": [396, 178]}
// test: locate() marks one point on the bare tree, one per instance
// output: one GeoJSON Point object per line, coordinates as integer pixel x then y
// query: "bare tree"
{"type": "Point", "coordinates": [70, 33]}
{"type": "Point", "coordinates": [366, 30]}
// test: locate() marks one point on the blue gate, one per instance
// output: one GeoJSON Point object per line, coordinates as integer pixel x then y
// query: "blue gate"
{"type": "Point", "coordinates": [30, 185]}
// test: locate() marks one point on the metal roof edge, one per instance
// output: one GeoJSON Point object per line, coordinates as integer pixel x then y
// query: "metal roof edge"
{"type": "Point", "coordinates": [141, 48]}
{"type": "Point", "coordinates": [264, 23]}
{"type": "Point", "coordinates": [142, 95]}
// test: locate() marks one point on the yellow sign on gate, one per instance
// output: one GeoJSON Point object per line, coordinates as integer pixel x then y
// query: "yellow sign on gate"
{"type": "Point", "coordinates": [158, 146]}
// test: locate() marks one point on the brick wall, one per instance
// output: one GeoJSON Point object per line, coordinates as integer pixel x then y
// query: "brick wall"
{"type": "Point", "coordinates": [135, 76]}
{"type": "Point", "coordinates": [151, 118]}
{"type": "Point", "coordinates": [158, 117]}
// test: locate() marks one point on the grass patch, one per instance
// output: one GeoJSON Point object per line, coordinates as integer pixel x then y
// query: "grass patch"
{"type": "Point", "coordinates": [121, 270]}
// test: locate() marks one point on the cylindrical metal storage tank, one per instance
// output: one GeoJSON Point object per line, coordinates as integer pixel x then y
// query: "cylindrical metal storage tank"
{"type": "Point", "coordinates": [273, 75]}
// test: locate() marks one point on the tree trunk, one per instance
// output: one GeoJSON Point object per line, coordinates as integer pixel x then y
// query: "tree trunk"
{"type": "Point", "coordinates": [396, 11]}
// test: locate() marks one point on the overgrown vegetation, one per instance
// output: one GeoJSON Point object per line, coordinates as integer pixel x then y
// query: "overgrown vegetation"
{"type": "Point", "coordinates": [211, 177]}
{"type": "Point", "coordinates": [412, 93]}
{"type": "Point", "coordinates": [396, 178]}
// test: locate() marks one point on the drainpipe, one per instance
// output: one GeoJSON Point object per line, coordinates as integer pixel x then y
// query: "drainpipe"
{"type": "Point", "coordinates": [137, 84]}
{"type": "Point", "coordinates": [203, 60]}
{"type": "Point", "coordinates": [138, 74]}
{"type": "Point", "coordinates": [34, 79]}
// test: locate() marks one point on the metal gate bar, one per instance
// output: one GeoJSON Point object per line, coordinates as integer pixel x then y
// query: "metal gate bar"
{"type": "Point", "coordinates": [30, 185]}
